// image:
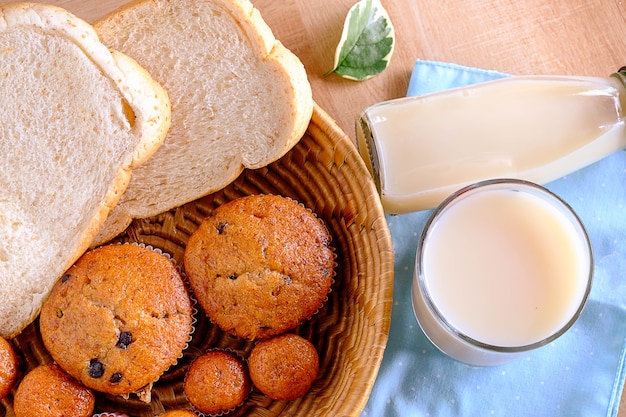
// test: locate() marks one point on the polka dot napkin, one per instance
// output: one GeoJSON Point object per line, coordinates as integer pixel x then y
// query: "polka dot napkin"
{"type": "Point", "coordinates": [580, 374]}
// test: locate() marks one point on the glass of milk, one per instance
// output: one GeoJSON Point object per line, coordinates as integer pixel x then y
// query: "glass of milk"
{"type": "Point", "coordinates": [502, 267]}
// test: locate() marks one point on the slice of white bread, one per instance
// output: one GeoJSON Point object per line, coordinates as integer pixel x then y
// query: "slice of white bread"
{"type": "Point", "coordinates": [76, 118]}
{"type": "Point", "coordinates": [240, 99]}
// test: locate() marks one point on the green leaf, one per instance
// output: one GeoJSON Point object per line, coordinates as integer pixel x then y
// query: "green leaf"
{"type": "Point", "coordinates": [366, 43]}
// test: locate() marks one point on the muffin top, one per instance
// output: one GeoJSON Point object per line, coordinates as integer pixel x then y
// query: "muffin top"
{"type": "Point", "coordinates": [260, 265]}
{"type": "Point", "coordinates": [8, 367]}
{"type": "Point", "coordinates": [179, 413]}
{"type": "Point", "coordinates": [48, 391]}
{"type": "Point", "coordinates": [118, 319]}
{"type": "Point", "coordinates": [216, 382]}
{"type": "Point", "coordinates": [284, 367]}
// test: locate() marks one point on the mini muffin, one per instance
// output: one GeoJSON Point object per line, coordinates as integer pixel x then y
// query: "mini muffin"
{"type": "Point", "coordinates": [48, 391]}
{"type": "Point", "coordinates": [260, 265]}
{"type": "Point", "coordinates": [118, 319]}
{"type": "Point", "coordinates": [216, 382]}
{"type": "Point", "coordinates": [8, 367]}
{"type": "Point", "coordinates": [284, 367]}
{"type": "Point", "coordinates": [179, 413]}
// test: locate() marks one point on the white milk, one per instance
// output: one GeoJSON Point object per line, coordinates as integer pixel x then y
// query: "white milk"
{"type": "Point", "coordinates": [505, 268]}
{"type": "Point", "coordinates": [535, 128]}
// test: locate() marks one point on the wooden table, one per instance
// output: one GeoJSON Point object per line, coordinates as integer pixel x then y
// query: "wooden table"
{"type": "Point", "coordinates": [582, 37]}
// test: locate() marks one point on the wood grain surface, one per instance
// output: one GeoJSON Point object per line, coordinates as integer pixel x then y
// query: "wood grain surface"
{"type": "Point", "coordinates": [575, 37]}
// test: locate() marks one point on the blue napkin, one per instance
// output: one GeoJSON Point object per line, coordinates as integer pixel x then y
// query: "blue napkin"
{"type": "Point", "coordinates": [580, 374]}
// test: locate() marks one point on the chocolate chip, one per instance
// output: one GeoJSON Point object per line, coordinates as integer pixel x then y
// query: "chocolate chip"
{"type": "Point", "coordinates": [59, 313]}
{"type": "Point", "coordinates": [233, 277]}
{"type": "Point", "coordinates": [96, 368]}
{"type": "Point", "coordinates": [66, 277]}
{"type": "Point", "coordinates": [124, 340]}
{"type": "Point", "coordinates": [221, 226]}
{"type": "Point", "coordinates": [115, 378]}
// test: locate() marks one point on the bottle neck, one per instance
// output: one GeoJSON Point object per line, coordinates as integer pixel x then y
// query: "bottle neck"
{"type": "Point", "coordinates": [621, 76]}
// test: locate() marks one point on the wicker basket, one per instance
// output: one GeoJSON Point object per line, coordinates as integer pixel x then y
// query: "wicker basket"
{"type": "Point", "coordinates": [326, 174]}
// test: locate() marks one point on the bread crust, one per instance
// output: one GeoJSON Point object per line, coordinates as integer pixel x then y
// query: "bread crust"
{"type": "Point", "coordinates": [147, 122]}
{"type": "Point", "coordinates": [202, 153]}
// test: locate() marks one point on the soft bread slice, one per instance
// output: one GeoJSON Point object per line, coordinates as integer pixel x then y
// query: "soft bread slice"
{"type": "Point", "coordinates": [240, 99]}
{"type": "Point", "coordinates": [76, 119]}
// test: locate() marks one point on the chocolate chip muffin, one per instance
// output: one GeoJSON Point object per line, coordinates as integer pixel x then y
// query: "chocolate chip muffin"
{"type": "Point", "coordinates": [260, 265]}
{"type": "Point", "coordinates": [48, 391]}
{"type": "Point", "coordinates": [217, 382]}
{"type": "Point", "coordinates": [284, 367]}
{"type": "Point", "coordinates": [118, 319]}
{"type": "Point", "coordinates": [8, 367]}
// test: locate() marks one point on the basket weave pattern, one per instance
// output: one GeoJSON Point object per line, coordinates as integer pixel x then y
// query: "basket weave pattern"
{"type": "Point", "coordinates": [324, 172]}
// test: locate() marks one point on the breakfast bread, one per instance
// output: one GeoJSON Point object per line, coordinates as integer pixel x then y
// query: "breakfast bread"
{"type": "Point", "coordinates": [118, 319]}
{"type": "Point", "coordinates": [284, 367]}
{"type": "Point", "coordinates": [9, 367]}
{"type": "Point", "coordinates": [48, 391]}
{"type": "Point", "coordinates": [217, 382]}
{"type": "Point", "coordinates": [240, 99]}
{"type": "Point", "coordinates": [260, 265]}
{"type": "Point", "coordinates": [76, 119]}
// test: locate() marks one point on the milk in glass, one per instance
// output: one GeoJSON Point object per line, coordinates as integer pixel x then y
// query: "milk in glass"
{"type": "Point", "coordinates": [502, 268]}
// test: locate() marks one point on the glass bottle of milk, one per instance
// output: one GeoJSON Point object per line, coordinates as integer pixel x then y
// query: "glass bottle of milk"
{"type": "Point", "coordinates": [536, 128]}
